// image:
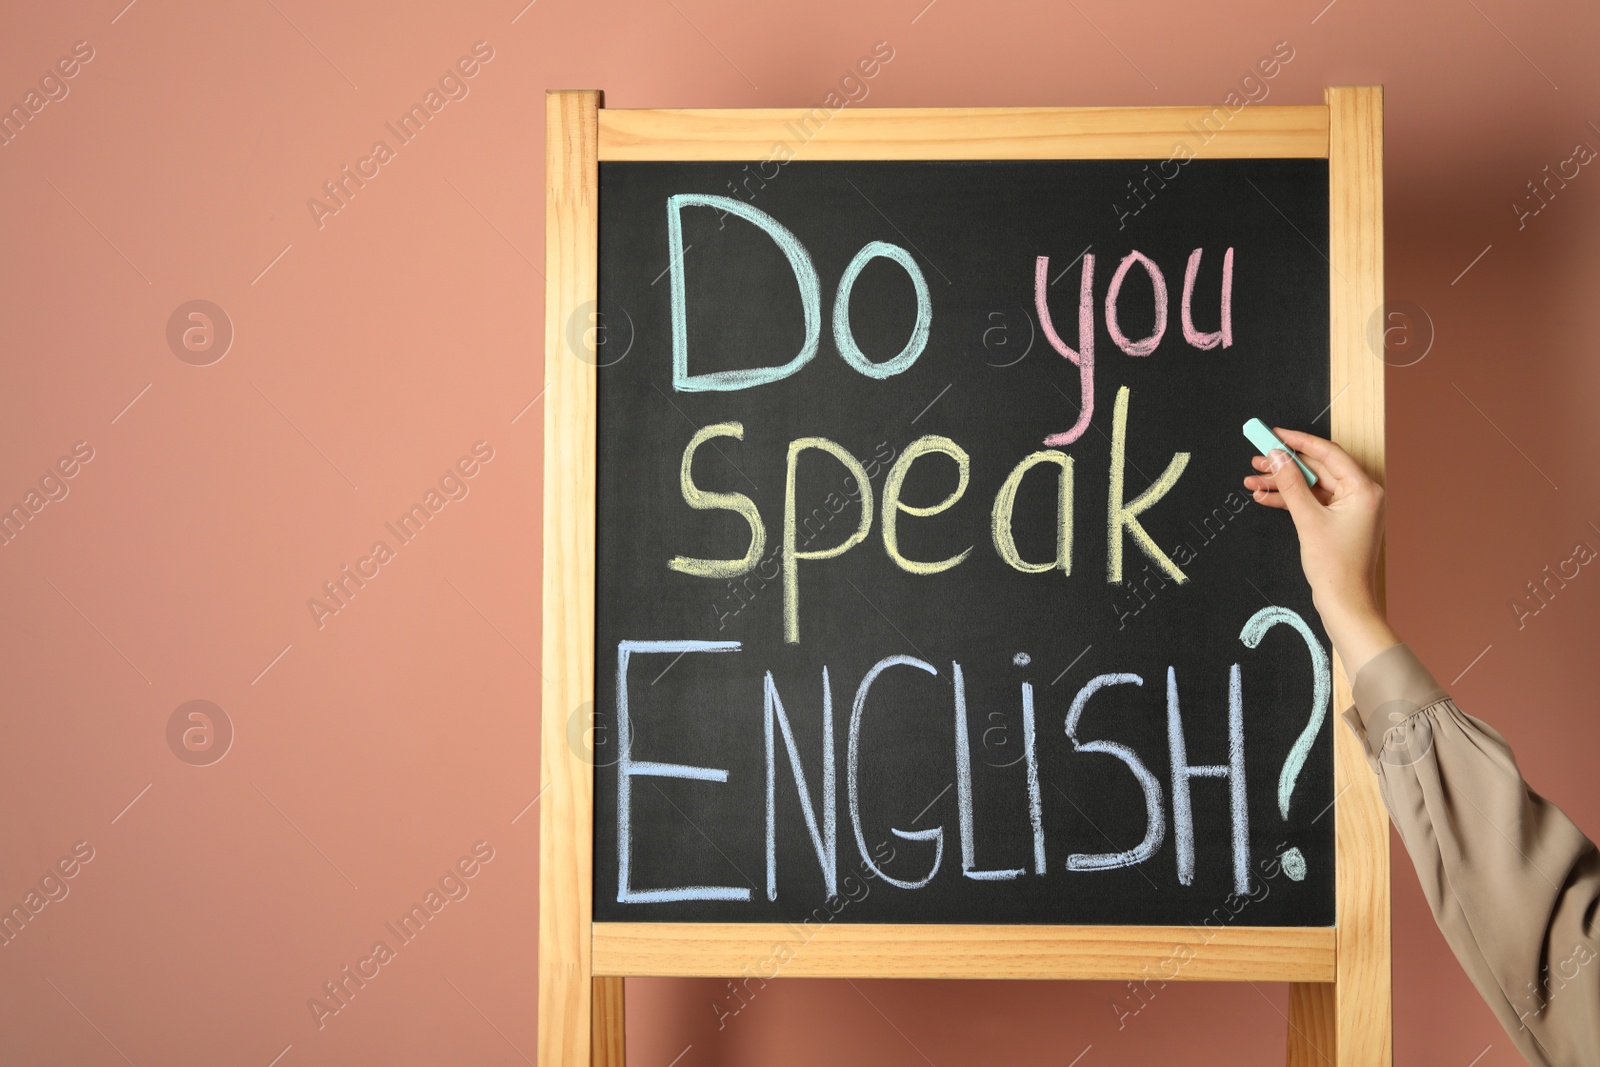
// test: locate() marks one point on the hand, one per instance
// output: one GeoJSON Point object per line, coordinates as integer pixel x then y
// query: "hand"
{"type": "Point", "coordinates": [1340, 525]}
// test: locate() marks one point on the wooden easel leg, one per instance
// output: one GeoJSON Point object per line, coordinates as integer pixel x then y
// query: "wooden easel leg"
{"type": "Point", "coordinates": [568, 992]}
{"type": "Point", "coordinates": [607, 1044]}
{"type": "Point", "coordinates": [1311, 1025]}
{"type": "Point", "coordinates": [1360, 995]}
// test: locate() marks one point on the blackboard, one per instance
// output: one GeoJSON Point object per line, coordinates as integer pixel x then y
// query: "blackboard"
{"type": "Point", "coordinates": [954, 283]}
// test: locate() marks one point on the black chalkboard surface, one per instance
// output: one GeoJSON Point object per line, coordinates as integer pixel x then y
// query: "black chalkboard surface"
{"type": "Point", "coordinates": [942, 723]}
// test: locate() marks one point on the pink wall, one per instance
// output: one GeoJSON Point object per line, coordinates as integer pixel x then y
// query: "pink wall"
{"type": "Point", "coordinates": [374, 348]}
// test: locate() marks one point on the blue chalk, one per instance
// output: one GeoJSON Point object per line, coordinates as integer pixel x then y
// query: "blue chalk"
{"type": "Point", "coordinates": [1265, 441]}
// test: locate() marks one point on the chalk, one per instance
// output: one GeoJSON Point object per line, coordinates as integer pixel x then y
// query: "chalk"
{"type": "Point", "coordinates": [1321, 687]}
{"type": "Point", "coordinates": [1265, 441]}
{"type": "Point", "coordinates": [964, 783]}
{"type": "Point", "coordinates": [852, 776]}
{"type": "Point", "coordinates": [629, 768]}
{"type": "Point", "coordinates": [826, 840]}
{"type": "Point", "coordinates": [1155, 820]}
{"type": "Point", "coordinates": [1233, 771]}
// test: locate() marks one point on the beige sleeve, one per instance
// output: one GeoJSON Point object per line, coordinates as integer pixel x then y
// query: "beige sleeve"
{"type": "Point", "coordinates": [1513, 884]}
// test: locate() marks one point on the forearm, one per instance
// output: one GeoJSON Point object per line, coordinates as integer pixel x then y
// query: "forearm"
{"type": "Point", "coordinates": [1358, 630]}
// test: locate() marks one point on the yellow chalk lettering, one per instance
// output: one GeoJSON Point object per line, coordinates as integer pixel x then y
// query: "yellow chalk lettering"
{"type": "Point", "coordinates": [705, 500]}
{"type": "Point", "coordinates": [1006, 500]}
{"type": "Point", "coordinates": [893, 505]}
{"type": "Point", "coordinates": [792, 555]}
{"type": "Point", "coordinates": [1120, 516]}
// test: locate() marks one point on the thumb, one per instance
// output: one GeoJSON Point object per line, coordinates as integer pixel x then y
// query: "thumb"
{"type": "Point", "coordinates": [1291, 484]}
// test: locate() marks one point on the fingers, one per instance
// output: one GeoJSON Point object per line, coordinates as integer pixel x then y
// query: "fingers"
{"type": "Point", "coordinates": [1268, 483]}
{"type": "Point", "coordinates": [1318, 468]}
{"type": "Point", "coordinates": [1334, 459]}
{"type": "Point", "coordinates": [1292, 486]}
{"type": "Point", "coordinates": [1271, 500]}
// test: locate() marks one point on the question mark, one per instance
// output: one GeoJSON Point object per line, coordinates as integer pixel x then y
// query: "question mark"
{"type": "Point", "coordinates": [1294, 863]}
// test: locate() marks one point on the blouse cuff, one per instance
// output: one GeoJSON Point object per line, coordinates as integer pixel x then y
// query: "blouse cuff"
{"type": "Point", "coordinates": [1388, 689]}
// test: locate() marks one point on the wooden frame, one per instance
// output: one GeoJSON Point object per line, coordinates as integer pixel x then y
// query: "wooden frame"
{"type": "Point", "coordinates": [1339, 1007]}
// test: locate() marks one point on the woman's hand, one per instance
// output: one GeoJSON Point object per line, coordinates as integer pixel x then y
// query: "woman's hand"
{"type": "Point", "coordinates": [1340, 524]}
